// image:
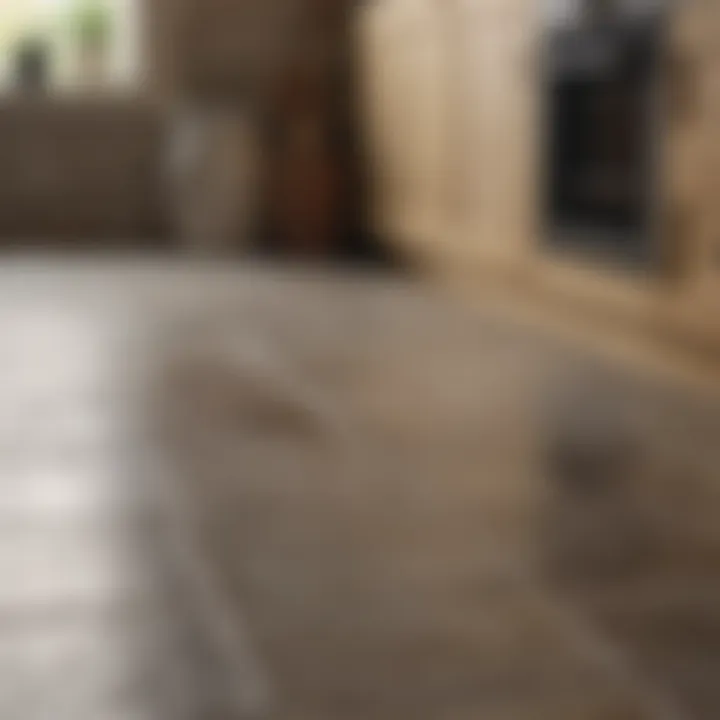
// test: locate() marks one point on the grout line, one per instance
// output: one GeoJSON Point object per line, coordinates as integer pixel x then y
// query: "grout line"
{"type": "Point", "coordinates": [246, 683]}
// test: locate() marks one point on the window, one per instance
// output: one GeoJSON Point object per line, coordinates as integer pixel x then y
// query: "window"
{"type": "Point", "coordinates": [69, 44]}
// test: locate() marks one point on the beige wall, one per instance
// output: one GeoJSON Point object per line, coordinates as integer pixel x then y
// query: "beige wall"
{"type": "Point", "coordinates": [452, 108]}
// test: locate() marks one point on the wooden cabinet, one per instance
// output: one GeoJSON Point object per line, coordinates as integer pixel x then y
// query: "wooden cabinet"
{"type": "Point", "coordinates": [290, 61]}
{"type": "Point", "coordinates": [80, 168]}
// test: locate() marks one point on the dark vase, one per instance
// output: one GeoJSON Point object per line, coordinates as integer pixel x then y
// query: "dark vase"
{"type": "Point", "coordinates": [32, 67]}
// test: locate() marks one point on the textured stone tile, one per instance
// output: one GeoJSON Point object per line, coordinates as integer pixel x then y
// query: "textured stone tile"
{"type": "Point", "coordinates": [369, 475]}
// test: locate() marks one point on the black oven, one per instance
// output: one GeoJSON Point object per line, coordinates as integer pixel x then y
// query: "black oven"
{"type": "Point", "coordinates": [603, 124]}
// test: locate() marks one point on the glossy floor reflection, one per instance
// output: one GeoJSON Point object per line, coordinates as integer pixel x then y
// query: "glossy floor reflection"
{"type": "Point", "coordinates": [90, 622]}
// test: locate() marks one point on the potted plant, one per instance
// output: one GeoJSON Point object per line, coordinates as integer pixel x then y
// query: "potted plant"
{"type": "Point", "coordinates": [92, 25]}
{"type": "Point", "coordinates": [32, 64]}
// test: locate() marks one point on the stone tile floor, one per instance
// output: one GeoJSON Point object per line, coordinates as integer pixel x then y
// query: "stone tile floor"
{"type": "Point", "coordinates": [251, 493]}
{"type": "Point", "coordinates": [91, 621]}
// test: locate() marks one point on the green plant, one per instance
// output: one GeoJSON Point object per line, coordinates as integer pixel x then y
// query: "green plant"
{"type": "Point", "coordinates": [92, 23]}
